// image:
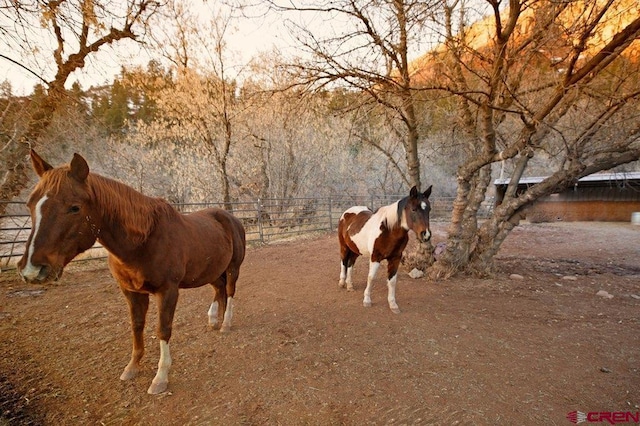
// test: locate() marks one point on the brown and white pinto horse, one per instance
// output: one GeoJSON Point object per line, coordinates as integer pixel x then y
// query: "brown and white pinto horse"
{"type": "Point", "coordinates": [153, 249]}
{"type": "Point", "coordinates": [381, 235]}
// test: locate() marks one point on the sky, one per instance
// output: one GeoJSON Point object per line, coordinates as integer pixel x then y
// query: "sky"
{"type": "Point", "coordinates": [254, 34]}
{"type": "Point", "coordinates": [250, 37]}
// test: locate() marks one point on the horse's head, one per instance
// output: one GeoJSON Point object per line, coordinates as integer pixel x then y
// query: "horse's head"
{"type": "Point", "coordinates": [61, 217]}
{"type": "Point", "coordinates": [417, 213]}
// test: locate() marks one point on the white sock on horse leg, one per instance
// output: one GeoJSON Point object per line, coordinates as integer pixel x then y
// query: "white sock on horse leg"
{"type": "Point", "coordinates": [228, 315]}
{"type": "Point", "coordinates": [213, 313]}
{"type": "Point", "coordinates": [161, 381]}
{"type": "Point", "coordinates": [391, 297]}
{"type": "Point", "coordinates": [373, 269]}
{"type": "Point", "coordinates": [343, 274]}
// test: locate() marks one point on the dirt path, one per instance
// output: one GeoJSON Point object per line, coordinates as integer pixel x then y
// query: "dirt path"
{"type": "Point", "coordinates": [302, 351]}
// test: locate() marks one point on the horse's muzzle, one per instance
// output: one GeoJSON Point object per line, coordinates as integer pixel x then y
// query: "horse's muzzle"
{"type": "Point", "coordinates": [425, 236]}
{"type": "Point", "coordinates": [40, 273]}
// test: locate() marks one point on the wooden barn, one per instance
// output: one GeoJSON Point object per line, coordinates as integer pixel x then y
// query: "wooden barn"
{"type": "Point", "coordinates": [606, 197]}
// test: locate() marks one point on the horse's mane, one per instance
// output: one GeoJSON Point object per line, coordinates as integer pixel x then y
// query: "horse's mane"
{"type": "Point", "coordinates": [401, 206]}
{"type": "Point", "coordinates": [136, 212]}
{"type": "Point", "coordinates": [392, 213]}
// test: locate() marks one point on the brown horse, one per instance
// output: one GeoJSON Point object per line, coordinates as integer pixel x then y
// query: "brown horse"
{"type": "Point", "coordinates": [153, 249]}
{"type": "Point", "coordinates": [381, 235]}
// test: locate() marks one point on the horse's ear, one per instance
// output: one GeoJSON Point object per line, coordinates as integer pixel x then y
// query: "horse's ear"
{"type": "Point", "coordinates": [39, 165]}
{"type": "Point", "coordinates": [79, 168]}
{"type": "Point", "coordinates": [414, 192]}
{"type": "Point", "coordinates": [428, 192]}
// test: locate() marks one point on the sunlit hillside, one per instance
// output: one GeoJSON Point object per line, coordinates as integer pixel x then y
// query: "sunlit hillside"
{"type": "Point", "coordinates": [561, 36]}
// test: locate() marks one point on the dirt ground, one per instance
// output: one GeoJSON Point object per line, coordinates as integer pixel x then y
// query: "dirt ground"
{"type": "Point", "coordinates": [302, 351]}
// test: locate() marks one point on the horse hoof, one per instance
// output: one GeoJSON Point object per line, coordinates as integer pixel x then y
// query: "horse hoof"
{"type": "Point", "coordinates": [157, 388]}
{"type": "Point", "coordinates": [128, 374]}
{"type": "Point", "coordinates": [395, 310]}
{"type": "Point", "coordinates": [225, 329]}
{"type": "Point", "coordinates": [350, 288]}
{"type": "Point", "coordinates": [366, 304]}
{"type": "Point", "coordinates": [214, 326]}
{"type": "Point", "coordinates": [341, 284]}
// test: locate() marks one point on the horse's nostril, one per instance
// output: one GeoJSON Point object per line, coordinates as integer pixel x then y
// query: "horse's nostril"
{"type": "Point", "coordinates": [35, 273]}
{"type": "Point", "coordinates": [44, 272]}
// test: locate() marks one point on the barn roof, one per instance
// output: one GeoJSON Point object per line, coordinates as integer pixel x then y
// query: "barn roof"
{"type": "Point", "coordinates": [594, 178]}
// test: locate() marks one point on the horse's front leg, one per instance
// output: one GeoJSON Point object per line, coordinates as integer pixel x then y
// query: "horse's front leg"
{"type": "Point", "coordinates": [373, 269]}
{"type": "Point", "coordinates": [138, 306]}
{"type": "Point", "coordinates": [167, 301]}
{"type": "Point", "coordinates": [392, 279]}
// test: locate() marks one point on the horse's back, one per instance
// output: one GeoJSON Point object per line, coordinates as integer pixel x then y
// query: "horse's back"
{"type": "Point", "coordinates": [353, 220]}
{"type": "Point", "coordinates": [355, 210]}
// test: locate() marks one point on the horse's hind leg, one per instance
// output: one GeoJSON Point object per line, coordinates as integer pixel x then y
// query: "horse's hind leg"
{"type": "Point", "coordinates": [213, 311]}
{"type": "Point", "coordinates": [230, 287]}
{"type": "Point", "coordinates": [218, 306]}
{"type": "Point", "coordinates": [348, 259]}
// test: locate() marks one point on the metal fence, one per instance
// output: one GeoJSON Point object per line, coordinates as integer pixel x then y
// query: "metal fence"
{"type": "Point", "coordinates": [264, 220]}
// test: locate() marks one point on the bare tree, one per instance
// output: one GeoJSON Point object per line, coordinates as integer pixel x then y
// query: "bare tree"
{"type": "Point", "coordinates": [549, 80]}
{"type": "Point", "coordinates": [367, 50]}
{"type": "Point", "coordinates": [73, 30]}
{"type": "Point", "coordinates": [295, 135]}
{"type": "Point", "coordinates": [200, 109]}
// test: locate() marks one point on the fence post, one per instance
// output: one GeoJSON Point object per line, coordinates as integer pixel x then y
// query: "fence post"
{"type": "Point", "coordinates": [259, 212]}
{"type": "Point", "coordinates": [330, 216]}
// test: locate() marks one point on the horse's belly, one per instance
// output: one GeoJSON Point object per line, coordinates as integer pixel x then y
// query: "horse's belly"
{"type": "Point", "coordinates": [193, 283]}
{"type": "Point", "coordinates": [198, 280]}
{"type": "Point", "coordinates": [205, 270]}
{"type": "Point", "coordinates": [361, 244]}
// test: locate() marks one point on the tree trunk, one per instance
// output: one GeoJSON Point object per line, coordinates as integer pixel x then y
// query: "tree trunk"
{"type": "Point", "coordinates": [411, 146]}
{"type": "Point", "coordinates": [15, 178]}
{"type": "Point", "coordinates": [226, 190]}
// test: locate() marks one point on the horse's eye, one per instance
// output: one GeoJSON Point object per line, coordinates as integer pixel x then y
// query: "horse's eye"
{"type": "Point", "coordinates": [74, 209]}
